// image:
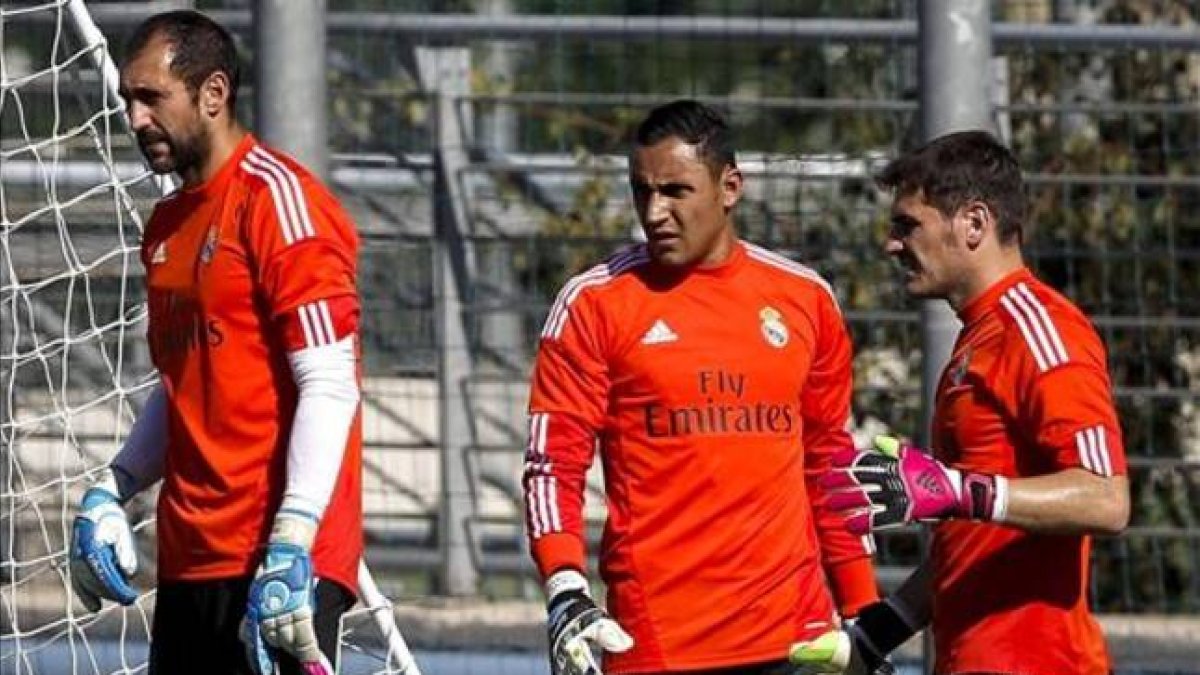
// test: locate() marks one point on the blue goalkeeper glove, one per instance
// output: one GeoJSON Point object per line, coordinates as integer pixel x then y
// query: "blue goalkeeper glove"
{"type": "Point", "coordinates": [859, 647]}
{"type": "Point", "coordinates": [102, 557]}
{"type": "Point", "coordinates": [578, 628]}
{"type": "Point", "coordinates": [281, 602]}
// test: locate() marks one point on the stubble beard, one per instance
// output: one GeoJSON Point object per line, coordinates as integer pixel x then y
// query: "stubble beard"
{"type": "Point", "coordinates": [186, 153]}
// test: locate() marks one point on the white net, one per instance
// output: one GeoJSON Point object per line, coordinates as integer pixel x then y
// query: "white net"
{"type": "Point", "coordinates": [71, 357]}
{"type": "Point", "coordinates": [73, 360]}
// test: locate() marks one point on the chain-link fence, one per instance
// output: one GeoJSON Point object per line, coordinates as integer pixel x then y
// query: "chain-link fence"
{"type": "Point", "coordinates": [1106, 130]}
{"type": "Point", "coordinates": [477, 195]}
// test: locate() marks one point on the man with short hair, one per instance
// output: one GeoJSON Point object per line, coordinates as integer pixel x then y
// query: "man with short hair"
{"type": "Point", "coordinates": [714, 377]}
{"type": "Point", "coordinates": [254, 426]}
{"type": "Point", "coordinates": [1027, 456]}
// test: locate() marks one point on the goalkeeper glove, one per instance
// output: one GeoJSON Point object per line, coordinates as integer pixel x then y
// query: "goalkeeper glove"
{"type": "Point", "coordinates": [578, 628]}
{"type": "Point", "coordinates": [102, 556]}
{"type": "Point", "coordinates": [279, 612]}
{"type": "Point", "coordinates": [859, 647]}
{"type": "Point", "coordinates": [898, 483]}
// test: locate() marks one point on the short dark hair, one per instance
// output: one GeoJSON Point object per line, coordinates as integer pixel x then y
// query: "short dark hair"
{"type": "Point", "coordinates": [695, 124]}
{"type": "Point", "coordinates": [961, 166]}
{"type": "Point", "coordinates": [202, 47]}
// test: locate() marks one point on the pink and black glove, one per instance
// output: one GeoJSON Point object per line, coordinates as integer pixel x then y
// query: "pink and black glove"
{"type": "Point", "coordinates": [897, 483]}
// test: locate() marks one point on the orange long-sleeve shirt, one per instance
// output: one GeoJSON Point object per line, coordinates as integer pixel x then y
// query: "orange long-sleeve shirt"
{"type": "Point", "coordinates": [256, 262]}
{"type": "Point", "coordinates": [716, 401]}
{"type": "Point", "coordinates": [1026, 393]}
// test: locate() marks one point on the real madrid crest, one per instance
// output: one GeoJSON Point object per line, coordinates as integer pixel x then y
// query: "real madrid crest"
{"type": "Point", "coordinates": [774, 331]}
{"type": "Point", "coordinates": [960, 369]}
{"type": "Point", "coordinates": [210, 246]}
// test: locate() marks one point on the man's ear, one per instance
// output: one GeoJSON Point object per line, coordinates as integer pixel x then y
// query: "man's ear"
{"type": "Point", "coordinates": [214, 94]}
{"type": "Point", "coordinates": [978, 221]}
{"type": "Point", "coordinates": [731, 186]}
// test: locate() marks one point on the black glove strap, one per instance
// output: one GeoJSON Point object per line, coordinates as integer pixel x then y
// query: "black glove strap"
{"type": "Point", "coordinates": [565, 607]}
{"type": "Point", "coordinates": [883, 627]}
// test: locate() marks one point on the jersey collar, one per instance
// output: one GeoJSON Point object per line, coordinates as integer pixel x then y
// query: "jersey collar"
{"type": "Point", "coordinates": [985, 302]}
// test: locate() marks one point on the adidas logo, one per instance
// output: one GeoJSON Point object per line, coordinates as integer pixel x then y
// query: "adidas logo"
{"type": "Point", "coordinates": [930, 482]}
{"type": "Point", "coordinates": [659, 333]}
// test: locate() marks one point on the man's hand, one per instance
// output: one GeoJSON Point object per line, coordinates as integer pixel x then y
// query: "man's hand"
{"type": "Point", "coordinates": [838, 652]}
{"type": "Point", "coordinates": [859, 647]}
{"type": "Point", "coordinates": [279, 612]}
{"type": "Point", "coordinates": [102, 557]}
{"type": "Point", "coordinates": [578, 628]}
{"type": "Point", "coordinates": [898, 483]}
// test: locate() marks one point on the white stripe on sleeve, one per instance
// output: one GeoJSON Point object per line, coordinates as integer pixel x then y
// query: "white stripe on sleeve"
{"type": "Point", "coordinates": [1092, 444]}
{"type": "Point", "coordinates": [541, 483]}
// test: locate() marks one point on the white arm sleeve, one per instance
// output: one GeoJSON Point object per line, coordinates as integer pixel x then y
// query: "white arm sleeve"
{"type": "Point", "coordinates": [327, 380]}
{"type": "Point", "coordinates": [140, 462]}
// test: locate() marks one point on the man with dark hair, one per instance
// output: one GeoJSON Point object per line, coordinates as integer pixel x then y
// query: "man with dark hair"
{"type": "Point", "coordinates": [1027, 458]}
{"type": "Point", "coordinates": [695, 124]}
{"type": "Point", "coordinates": [254, 428]}
{"type": "Point", "coordinates": [964, 166]}
{"type": "Point", "coordinates": [201, 47]}
{"type": "Point", "coordinates": [714, 377]}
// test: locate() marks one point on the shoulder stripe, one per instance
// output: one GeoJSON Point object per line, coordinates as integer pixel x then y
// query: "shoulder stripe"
{"type": "Point", "coordinates": [1092, 444]}
{"type": "Point", "coordinates": [304, 222]}
{"type": "Point", "coordinates": [558, 312]}
{"type": "Point", "coordinates": [299, 204]}
{"type": "Point", "coordinates": [1035, 325]}
{"type": "Point", "coordinates": [291, 207]}
{"type": "Point", "coordinates": [1056, 342]}
{"type": "Point", "coordinates": [281, 212]}
{"type": "Point", "coordinates": [791, 266]}
{"type": "Point", "coordinates": [596, 276]}
{"type": "Point", "coordinates": [1030, 341]}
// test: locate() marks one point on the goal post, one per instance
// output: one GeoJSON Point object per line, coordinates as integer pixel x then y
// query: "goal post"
{"type": "Point", "coordinates": [74, 367]}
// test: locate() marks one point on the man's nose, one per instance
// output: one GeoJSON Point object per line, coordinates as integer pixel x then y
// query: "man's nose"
{"type": "Point", "coordinates": [139, 116]}
{"type": "Point", "coordinates": [657, 208]}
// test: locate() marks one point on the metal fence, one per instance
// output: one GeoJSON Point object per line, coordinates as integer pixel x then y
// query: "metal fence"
{"type": "Point", "coordinates": [1102, 117]}
{"type": "Point", "coordinates": [482, 156]}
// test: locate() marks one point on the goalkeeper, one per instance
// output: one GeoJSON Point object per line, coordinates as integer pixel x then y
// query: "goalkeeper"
{"type": "Point", "coordinates": [254, 427]}
{"type": "Point", "coordinates": [714, 378]}
{"type": "Point", "coordinates": [1027, 459]}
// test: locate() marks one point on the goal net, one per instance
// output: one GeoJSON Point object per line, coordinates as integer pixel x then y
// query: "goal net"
{"type": "Point", "coordinates": [71, 321]}
{"type": "Point", "coordinates": [74, 368]}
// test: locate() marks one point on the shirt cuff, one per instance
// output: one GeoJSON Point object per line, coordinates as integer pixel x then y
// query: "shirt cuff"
{"type": "Point", "coordinates": [559, 550]}
{"type": "Point", "coordinates": [853, 585]}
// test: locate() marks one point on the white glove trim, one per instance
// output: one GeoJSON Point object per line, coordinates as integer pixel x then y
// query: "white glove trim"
{"type": "Point", "coordinates": [1000, 508]}
{"type": "Point", "coordinates": [566, 580]}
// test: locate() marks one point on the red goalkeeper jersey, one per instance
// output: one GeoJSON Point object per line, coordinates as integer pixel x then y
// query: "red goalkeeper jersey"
{"type": "Point", "coordinates": [716, 400]}
{"type": "Point", "coordinates": [255, 263]}
{"type": "Point", "coordinates": [1026, 393]}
